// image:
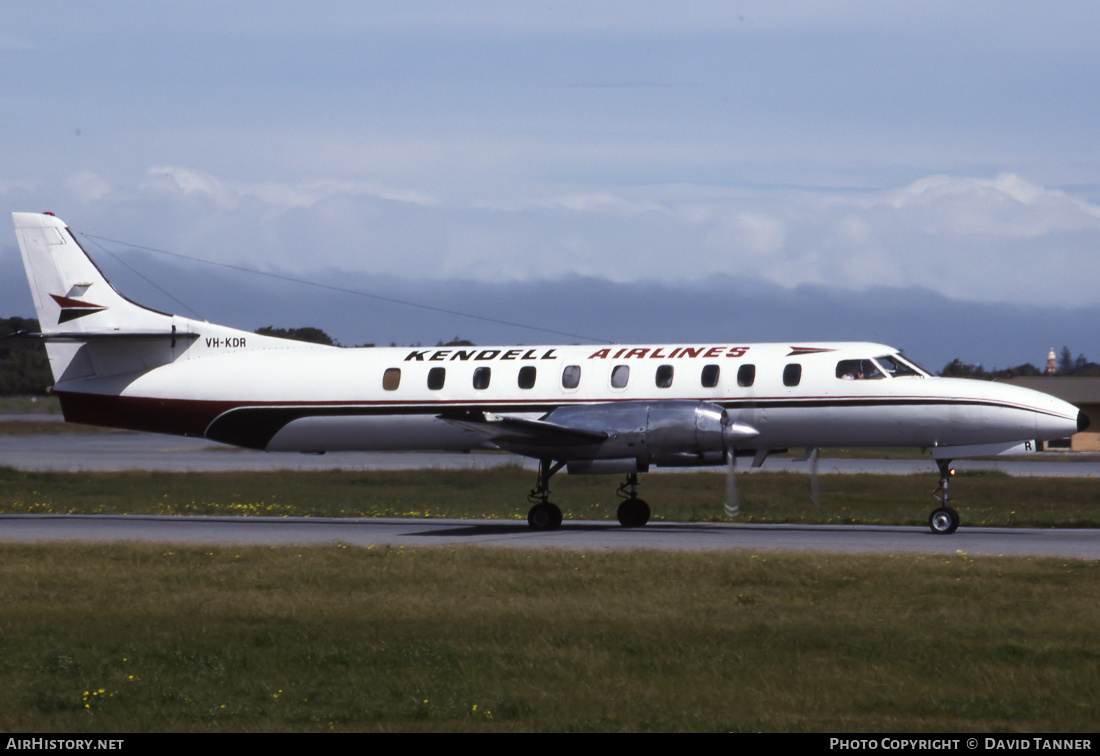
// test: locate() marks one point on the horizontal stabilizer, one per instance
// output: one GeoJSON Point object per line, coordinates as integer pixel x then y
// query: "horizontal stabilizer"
{"type": "Point", "coordinates": [82, 336]}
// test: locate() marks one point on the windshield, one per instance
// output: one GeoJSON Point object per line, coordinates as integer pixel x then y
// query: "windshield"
{"type": "Point", "coordinates": [894, 366]}
{"type": "Point", "coordinates": [890, 365]}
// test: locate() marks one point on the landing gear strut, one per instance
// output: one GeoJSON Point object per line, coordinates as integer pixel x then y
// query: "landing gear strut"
{"type": "Point", "coordinates": [544, 515]}
{"type": "Point", "coordinates": [633, 512]}
{"type": "Point", "coordinates": [944, 520]}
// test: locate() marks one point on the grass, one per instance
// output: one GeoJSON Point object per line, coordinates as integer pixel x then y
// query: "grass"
{"type": "Point", "coordinates": [29, 405]}
{"type": "Point", "coordinates": [990, 499]}
{"type": "Point", "coordinates": [130, 638]}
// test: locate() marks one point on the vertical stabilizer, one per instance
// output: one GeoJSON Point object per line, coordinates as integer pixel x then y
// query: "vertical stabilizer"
{"type": "Point", "coordinates": [89, 328]}
{"type": "Point", "coordinates": [70, 293]}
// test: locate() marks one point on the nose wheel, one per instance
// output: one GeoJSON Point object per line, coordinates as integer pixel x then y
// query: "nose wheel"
{"type": "Point", "coordinates": [944, 521]}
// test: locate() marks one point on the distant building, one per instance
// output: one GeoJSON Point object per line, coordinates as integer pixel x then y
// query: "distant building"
{"type": "Point", "coordinates": [1052, 363]}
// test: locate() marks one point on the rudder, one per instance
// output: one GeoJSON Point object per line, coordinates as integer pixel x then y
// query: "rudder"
{"type": "Point", "coordinates": [70, 293]}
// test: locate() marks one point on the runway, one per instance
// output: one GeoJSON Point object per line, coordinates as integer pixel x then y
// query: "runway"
{"type": "Point", "coordinates": [574, 534]}
{"type": "Point", "coordinates": [119, 451]}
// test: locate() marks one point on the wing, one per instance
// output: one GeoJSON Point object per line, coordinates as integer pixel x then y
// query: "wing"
{"type": "Point", "coordinates": [534, 438]}
{"type": "Point", "coordinates": [664, 432]}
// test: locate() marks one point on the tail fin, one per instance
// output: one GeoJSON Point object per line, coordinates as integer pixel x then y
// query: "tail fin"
{"type": "Point", "coordinates": [82, 317]}
{"type": "Point", "coordinates": [70, 293]}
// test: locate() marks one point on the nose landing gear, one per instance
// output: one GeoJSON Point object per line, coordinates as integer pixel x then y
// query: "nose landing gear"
{"type": "Point", "coordinates": [944, 520]}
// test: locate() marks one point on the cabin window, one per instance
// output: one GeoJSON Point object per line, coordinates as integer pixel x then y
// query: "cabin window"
{"type": "Point", "coordinates": [858, 370]}
{"type": "Point", "coordinates": [709, 377]}
{"type": "Point", "coordinates": [792, 374]}
{"type": "Point", "coordinates": [664, 376]}
{"type": "Point", "coordinates": [436, 378]}
{"type": "Point", "coordinates": [481, 378]}
{"type": "Point", "coordinates": [620, 375]}
{"type": "Point", "coordinates": [746, 375]}
{"type": "Point", "coordinates": [391, 379]}
{"type": "Point", "coordinates": [527, 377]}
{"type": "Point", "coordinates": [571, 376]}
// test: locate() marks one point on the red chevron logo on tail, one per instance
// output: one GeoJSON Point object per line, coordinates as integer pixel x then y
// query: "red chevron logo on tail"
{"type": "Point", "coordinates": [71, 309]}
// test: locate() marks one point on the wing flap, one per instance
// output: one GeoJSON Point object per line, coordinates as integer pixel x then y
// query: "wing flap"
{"type": "Point", "coordinates": [524, 435]}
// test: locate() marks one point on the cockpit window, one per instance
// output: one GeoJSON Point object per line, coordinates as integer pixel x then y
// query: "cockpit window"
{"type": "Point", "coordinates": [858, 370]}
{"type": "Point", "coordinates": [895, 366]}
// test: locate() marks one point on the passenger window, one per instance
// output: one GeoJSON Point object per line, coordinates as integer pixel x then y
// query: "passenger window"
{"type": "Point", "coordinates": [391, 379]}
{"type": "Point", "coordinates": [571, 376]}
{"type": "Point", "coordinates": [436, 378]}
{"type": "Point", "coordinates": [481, 378]}
{"type": "Point", "coordinates": [620, 375]}
{"type": "Point", "coordinates": [792, 374]}
{"type": "Point", "coordinates": [709, 378]}
{"type": "Point", "coordinates": [746, 375]}
{"type": "Point", "coordinates": [664, 376]}
{"type": "Point", "coordinates": [527, 377]}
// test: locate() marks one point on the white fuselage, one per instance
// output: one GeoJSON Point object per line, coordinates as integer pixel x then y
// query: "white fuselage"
{"type": "Point", "coordinates": [302, 398]}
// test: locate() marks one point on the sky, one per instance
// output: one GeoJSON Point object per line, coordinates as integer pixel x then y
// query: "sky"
{"type": "Point", "coordinates": [921, 174]}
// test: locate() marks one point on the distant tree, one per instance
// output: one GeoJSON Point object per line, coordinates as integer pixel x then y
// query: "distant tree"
{"type": "Point", "coordinates": [456, 342]}
{"type": "Point", "coordinates": [1025, 369]}
{"type": "Point", "coordinates": [1065, 361]}
{"type": "Point", "coordinates": [312, 335]}
{"type": "Point", "coordinates": [24, 369]}
{"type": "Point", "coordinates": [959, 369]}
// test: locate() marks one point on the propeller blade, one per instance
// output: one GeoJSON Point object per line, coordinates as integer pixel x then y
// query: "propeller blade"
{"type": "Point", "coordinates": [731, 506]}
{"type": "Point", "coordinates": [815, 497]}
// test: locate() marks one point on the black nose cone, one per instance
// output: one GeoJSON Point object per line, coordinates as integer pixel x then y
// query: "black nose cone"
{"type": "Point", "coordinates": [1082, 421]}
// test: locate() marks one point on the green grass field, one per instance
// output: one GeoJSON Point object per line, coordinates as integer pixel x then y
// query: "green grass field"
{"type": "Point", "coordinates": [161, 638]}
{"type": "Point", "coordinates": [131, 638]}
{"type": "Point", "coordinates": [982, 498]}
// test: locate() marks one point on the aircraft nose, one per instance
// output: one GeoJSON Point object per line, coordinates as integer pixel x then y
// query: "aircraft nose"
{"type": "Point", "coordinates": [1082, 421]}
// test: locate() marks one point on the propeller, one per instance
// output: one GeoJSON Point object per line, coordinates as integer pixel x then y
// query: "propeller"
{"type": "Point", "coordinates": [815, 497]}
{"type": "Point", "coordinates": [733, 433]}
{"type": "Point", "coordinates": [731, 506]}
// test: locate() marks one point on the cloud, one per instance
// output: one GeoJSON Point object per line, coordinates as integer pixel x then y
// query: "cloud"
{"type": "Point", "coordinates": [88, 187]}
{"type": "Point", "coordinates": [998, 239]}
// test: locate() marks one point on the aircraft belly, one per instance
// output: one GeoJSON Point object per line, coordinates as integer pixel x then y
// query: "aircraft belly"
{"type": "Point", "coordinates": [846, 426]}
{"type": "Point", "coordinates": [367, 433]}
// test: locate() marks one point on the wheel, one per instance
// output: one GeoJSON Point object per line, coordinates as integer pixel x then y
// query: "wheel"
{"type": "Point", "coordinates": [633, 513]}
{"type": "Point", "coordinates": [944, 521]}
{"type": "Point", "coordinates": [544, 516]}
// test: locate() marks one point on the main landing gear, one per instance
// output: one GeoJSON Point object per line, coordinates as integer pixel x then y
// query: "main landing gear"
{"type": "Point", "coordinates": [944, 520]}
{"type": "Point", "coordinates": [633, 512]}
{"type": "Point", "coordinates": [544, 515]}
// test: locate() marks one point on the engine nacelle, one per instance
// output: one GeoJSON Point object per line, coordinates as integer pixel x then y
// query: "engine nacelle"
{"type": "Point", "coordinates": [650, 431]}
